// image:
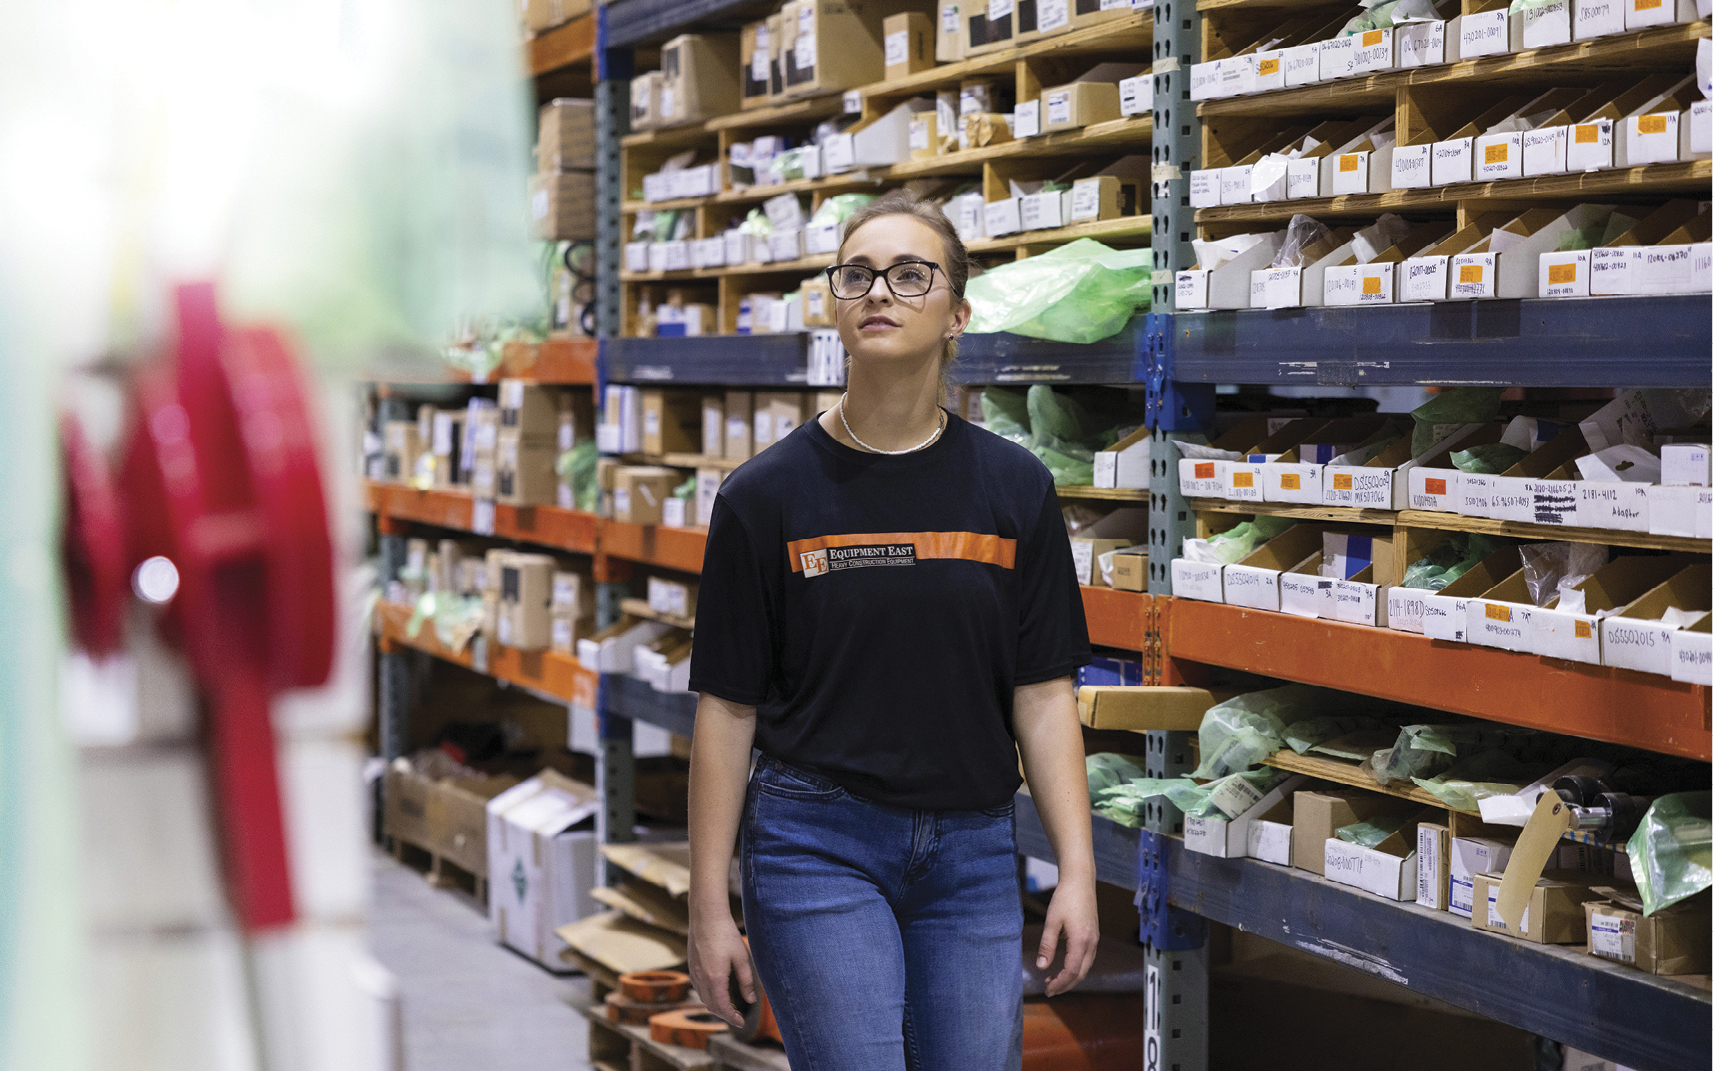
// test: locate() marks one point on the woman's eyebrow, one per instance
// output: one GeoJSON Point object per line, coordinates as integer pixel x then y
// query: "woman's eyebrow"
{"type": "Point", "coordinates": [860, 258]}
{"type": "Point", "coordinates": [907, 257]}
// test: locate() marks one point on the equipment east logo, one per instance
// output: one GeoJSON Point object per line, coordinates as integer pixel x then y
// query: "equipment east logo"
{"type": "Point", "coordinates": [833, 559]}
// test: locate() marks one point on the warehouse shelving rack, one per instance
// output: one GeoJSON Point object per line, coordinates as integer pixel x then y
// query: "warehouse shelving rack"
{"type": "Point", "coordinates": [1648, 1022]}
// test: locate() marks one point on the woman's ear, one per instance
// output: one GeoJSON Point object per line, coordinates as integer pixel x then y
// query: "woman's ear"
{"type": "Point", "coordinates": [960, 317]}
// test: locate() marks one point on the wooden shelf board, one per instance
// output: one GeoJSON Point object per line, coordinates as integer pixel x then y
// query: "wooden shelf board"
{"type": "Point", "coordinates": [1134, 32]}
{"type": "Point", "coordinates": [563, 46]}
{"type": "Point", "coordinates": [640, 608]}
{"type": "Point", "coordinates": [672, 205]}
{"type": "Point", "coordinates": [843, 181]}
{"type": "Point", "coordinates": [1335, 514]}
{"type": "Point", "coordinates": [668, 548]}
{"type": "Point", "coordinates": [548, 526]}
{"type": "Point", "coordinates": [806, 110]}
{"type": "Point", "coordinates": [1103, 494]}
{"type": "Point", "coordinates": [548, 672]}
{"type": "Point", "coordinates": [1342, 772]}
{"type": "Point", "coordinates": [1456, 522]}
{"type": "Point", "coordinates": [667, 137]}
{"type": "Point", "coordinates": [1596, 702]}
{"type": "Point", "coordinates": [1135, 132]}
{"type": "Point", "coordinates": [1123, 227]}
{"type": "Point", "coordinates": [560, 362]}
{"type": "Point", "coordinates": [1646, 50]}
{"type": "Point", "coordinates": [806, 264]}
{"type": "Point", "coordinates": [1690, 177]}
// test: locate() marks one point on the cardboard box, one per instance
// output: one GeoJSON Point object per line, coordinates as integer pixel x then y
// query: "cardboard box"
{"type": "Point", "coordinates": [540, 15]}
{"type": "Point", "coordinates": [676, 597]}
{"type": "Point", "coordinates": [758, 60]}
{"type": "Point", "coordinates": [1636, 637]}
{"type": "Point", "coordinates": [1078, 104]}
{"type": "Point", "coordinates": [640, 493]}
{"type": "Point", "coordinates": [1126, 526]}
{"type": "Point", "coordinates": [529, 412]}
{"type": "Point", "coordinates": [613, 649]}
{"type": "Point", "coordinates": [1575, 635]}
{"type": "Point", "coordinates": [404, 804]}
{"type": "Point", "coordinates": [1130, 569]}
{"type": "Point", "coordinates": [1225, 833]}
{"type": "Point", "coordinates": [949, 32]}
{"type": "Point", "coordinates": [739, 427]}
{"type": "Point", "coordinates": [562, 205]}
{"type": "Point", "coordinates": [1254, 580]}
{"type": "Point", "coordinates": [524, 472]}
{"type": "Point", "coordinates": [402, 446]}
{"type": "Point", "coordinates": [1471, 856]}
{"type": "Point", "coordinates": [1198, 580]}
{"type": "Point", "coordinates": [1445, 613]}
{"type": "Point", "coordinates": [1144, 709]}
{"type": "Point", "coordinates": [776, 415]}
{"type": "Point", "coordinates": [1433, 866]}
{"type": "Point", "coordinates": [1271, 835]}
{"type": "Point", "coordinates": [1125, 462]}
{"type": "Point", "coordinates": [1319, 814]}
{"type": "Point", "coordinates": [568, 631]}
{"type": "Point", "coordinates": [526, 601]}
{"type": "Point", "coordinates": [1388, 869]}
{"type": "Point", "coordinates": [540, 865]}
{"type": "Point", "coordinates": [1554, 915]}
{"type": "Point", "coordinates": [671, 422]}
{"type": "Point", "coordinates": [565, 139]}
{"type": "Point", "coordinates": [908, 43]}
{"type": "Point", "coordinates": [458, 820]}
{"type": "Point", "coordinates": [1672, 941]}
{"type": "Point", "coordinates": [1685, 465]}
{"type": "Point", "coordinates": [1103, 197]}
{"type": "Point", "coordinates": [852, 31]}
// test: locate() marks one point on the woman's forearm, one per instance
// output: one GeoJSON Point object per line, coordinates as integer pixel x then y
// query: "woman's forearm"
{"type": "Point", "coordinates": [719, 771]}
{"type": "Point", "coordinates": [1044, 717]}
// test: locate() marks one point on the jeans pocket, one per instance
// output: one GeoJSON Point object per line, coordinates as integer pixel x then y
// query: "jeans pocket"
{"type": "Point", "coordinates": [777, 779]}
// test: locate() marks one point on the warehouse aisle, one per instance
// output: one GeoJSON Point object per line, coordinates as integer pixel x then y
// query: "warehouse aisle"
{"type": "Point", "coordinates": [468, 1003]}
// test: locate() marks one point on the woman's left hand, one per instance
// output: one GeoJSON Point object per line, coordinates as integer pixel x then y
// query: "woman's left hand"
{"type": "Point", "coordinates": [1071, 914]}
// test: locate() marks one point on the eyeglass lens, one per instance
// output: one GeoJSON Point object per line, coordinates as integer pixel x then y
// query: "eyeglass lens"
{"type": "Point", "coordinates": [909, 279]}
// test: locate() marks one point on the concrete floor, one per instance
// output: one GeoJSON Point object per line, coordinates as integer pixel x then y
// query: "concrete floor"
{"type": "Point", "coordinates": [469, 1005]}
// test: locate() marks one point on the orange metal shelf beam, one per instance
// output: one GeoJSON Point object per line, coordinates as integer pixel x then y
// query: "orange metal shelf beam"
{"type": "Point", "coordinates": [561, 362]}
{"type": "Point", "coordinates": [669, 548]}
{"type": "Point", "coordinates": [555, 674]}
{"type": "Point", "coordinates": [1117, 618]}
{"type": "Point", "coordinates": [562, 46]}
{"type": "Point", "coordinates": [564, 529]}
{"type": "Point", "coordinates": [1596, 702]}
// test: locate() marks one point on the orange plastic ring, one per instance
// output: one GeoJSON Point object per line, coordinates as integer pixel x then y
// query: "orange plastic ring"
{"type": "Point", "coordinates": [687, 1029]}
{"type": "Point", "coordinates": [655, 987]}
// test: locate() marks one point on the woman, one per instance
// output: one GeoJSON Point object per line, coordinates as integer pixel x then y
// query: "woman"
{"type": "Point", "coordinates": [894, 589]}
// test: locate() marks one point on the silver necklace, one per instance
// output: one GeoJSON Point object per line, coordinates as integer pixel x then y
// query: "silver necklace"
{"type": "Point", "coordinates": [938, 427]}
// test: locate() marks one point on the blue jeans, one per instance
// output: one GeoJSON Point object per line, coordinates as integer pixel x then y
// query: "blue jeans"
{"type": "Point", "coordinates": [886, 939]}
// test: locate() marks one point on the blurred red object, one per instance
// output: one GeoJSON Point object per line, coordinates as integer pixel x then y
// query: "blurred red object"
{"type": "Point", "coordinates": [92, 544]}
{"type": "Point", "coordinates": [1084, 1032]}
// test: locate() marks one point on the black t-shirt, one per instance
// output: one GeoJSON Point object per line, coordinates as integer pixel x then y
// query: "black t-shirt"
{"type": "Point", "coordinates": [878, 610]}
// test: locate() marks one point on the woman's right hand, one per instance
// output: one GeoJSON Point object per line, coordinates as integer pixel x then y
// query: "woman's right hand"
{"type": "Point", "coordinates": [717, 952]}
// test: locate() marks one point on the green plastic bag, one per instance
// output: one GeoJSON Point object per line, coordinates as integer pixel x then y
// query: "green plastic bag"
{"type": "Point", "coordinates": [1426, 750]}
{"type": "Point", "coordinates": [1370, 833]}
{"type": "Point", "coordinates": [1306, 734]}
{"type": "Point", "coordinates": [1107, 769]}
{"type": "Point", "coordinates": [1487, 773]}
{"type": "Point", "coordinates": [576, 467]}
{"type": "Point", "coordinates": [1238, 733]}
{"type": "Point", "coordinates": [1450, 560]}
{"type": "Point", "coordinates": [1235, 544]}
{"type": "Point", "coordinates": [1081, 292]}
{"type": "Point", "coordinates": [1488, 458]}
{"type": "Point", "coordinates": [840, 207]}
{"type": "Point", "coordinates": [1006, 414]}
{"type": "Point", "coordinates": [1671, 852]}
{"type": "Point", "coordinates": [1445, 412]}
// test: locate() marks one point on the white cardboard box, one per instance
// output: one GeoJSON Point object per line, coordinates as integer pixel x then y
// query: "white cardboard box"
{"type": "Point", "coordinates": [1680, 511]}
{"type": "Point", "coordinates": [1433, 859]}
{"type": "Point", "coordinates": [1406, 608]}
{"type": "Point", "coordinates": [1542, 26]}
{"type": "Point", "coordinates": [1483, 34]}
{"type": "Point", "coordinates": [1471, 856]}
{"type": "Point", "coordinates": [1125, 463]}
{"type": "Point", "coordinates": [1254, 581]}
{"type": "Point", "coordinates": [1685, 465]}
{"type": "Point", "coordinates": [1692, 654]}
{"type": "Point", "coordinates": [1198, 580]}
{"type": "Point", "coordinates": [1642, 13]}
{"type": "Point", "coordinates": [1358, 601]}
{"type": "Point", "coordinates": [1502, 623]}
{"type": "Point", "coordinates": [1422, 44]}
{"type": "Point", "coordinates": [1359, 284]}
{"type": "Point", "coordinates": [1598, 18]}
{"type": "Point", "coordinates": [1228, 837]}
{"type": "Point", "coordinates": [1371, 869]}
{"type": "Point", "coordinates": [540, 872]}
{"type": "Point", "coordinates": [1270, 835]}
{"type": "Point", "coordinates": [1302, 64]}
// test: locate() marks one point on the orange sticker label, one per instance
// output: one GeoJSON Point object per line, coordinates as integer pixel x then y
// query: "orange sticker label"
{"type": "Point", "coordinates": [1647, 5]}
{"type": "Point", "coordinates": [1651, 124]}
{"type": "Point", "coordinates": [1343, 481]}
{"type": "Point", "coordinates": [1266, 67]}
{"type": "Point", "coordinates": [1558, 274]}
{"type": "Point", "coordinates": [1290, 481]}
{"type": "Point", "coordinates": [1204, 470]}
{"type": "Point", "coordinates": [1584, 631]}
{"type": "Point", "coordinates": [1372, 38]}
{"type": "Point", "coordinates": [1348, 162]}
{"type": "Point", "coordinates": [1587, 133]}
{"type": "Point", "coordinates": [1495, 612]}
{"type": "Point", "coordinates": [1469, 273]}
{"type": "Point", "coordinates": [1498, 154]}
{"type": "Point", "coordinates": [1243, 479]}
{"type": "Point", "coordinates": [1435, 487]}
{"type": "Point", "coordinates": [1370, 284]}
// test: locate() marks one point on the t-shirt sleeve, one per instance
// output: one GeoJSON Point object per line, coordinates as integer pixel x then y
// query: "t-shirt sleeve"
{"type": "Point", "coordinates": [733, 654]}
{"type": "Point", "coordinates": [1052, 636]}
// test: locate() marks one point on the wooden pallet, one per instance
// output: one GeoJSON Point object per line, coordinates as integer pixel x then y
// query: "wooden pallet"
{"type": "Point", "coordinates": [440, 872]}
{"type": "Point", "coordinates": [734, 1055]}
{"type": "Point", "coordinates": [619, 1047]}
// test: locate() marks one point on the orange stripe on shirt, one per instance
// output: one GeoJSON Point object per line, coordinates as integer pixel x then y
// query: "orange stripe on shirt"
{"type": "Point", "coordinates": [966, 546]}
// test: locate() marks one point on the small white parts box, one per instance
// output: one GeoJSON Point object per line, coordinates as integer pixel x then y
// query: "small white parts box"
{"type": "Point", "coordinates": [1589, 146]}
{"type": "Point", "coordinates": [1621, 507]}
{"type": "Point", "coordinates": [1337, 58]}
{"type": "Point", "coordinates": [1412, 166]}
{"type": "Point", "coordinates": [1495, 623]}
{"type": "Point", "coordinates": [1283, 481]}
{"type": "Point", "coordinates": [1371, 870]}
{"type": "Point", "coordinates": [1200, 478]}
{"type": "Point", "coordinates": [1362, 487]}
{"type": "Point", "coordinates": [1647, 139]}
{"type": "Point", "coordinates": [1302, 64]}
{"type": "Point", "coordinates": [1445, 617]}
{"type": "Point", "coordinates": [1598, 18]}
{"type": "Point", "coordinates": [1685, 465]}
{"type": "Point", "coordinates": [1453, 161]}
{"type": "Point", "coordinates": [1406, 609]}
{"type": "Point", "coordinates": [1204, 187]}
{"type": "Point", "coordinates": [1252, 586]}
{"type": "Point", "coordinates": [1359, 602]}
{"type": "Point", "coordinates": [1234, 188]}
{"type": "Point", "coordinates": [1270, 835]}
{"type": "Point", "coordinates": [1242, 482]}
{"type": "Point", "coordinates": [1484, 34]}
{"type": "Point", "coordinates": [1565, 274]}
{"type": "Point", "coordinates": [1545, 150]}
{"type": "Point", "coordinates": [1692, 656]}
{"type": "Point", "coordinates": [1680, 511]}
{"type": "Point", "coordinates": [1228, 838]}
{"type": "Point", "coordinates": [1305, 594]}
{"type": "Point", "coordinates": [1420, 44]}
{"type": "Point", "coordinates": [1499, 156]}
{"type": "Point", "coordinates": [1197, 580]}
{"type": "Point", "coordinates": [1373, 52]}
{"type": "Point", "coordinates": [1543, 25]}
{"type": "Point", "coordinates": [1425, 278]}
{"type": "Point", "coordinates": [1359, 284]}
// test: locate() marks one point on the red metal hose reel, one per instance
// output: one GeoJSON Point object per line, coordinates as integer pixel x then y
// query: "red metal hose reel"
{"type": "Point", "coordinates": [220, 486]}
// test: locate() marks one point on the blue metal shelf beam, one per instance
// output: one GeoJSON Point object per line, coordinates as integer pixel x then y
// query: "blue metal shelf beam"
{"type": "Point", "coordinates": [651, 22]}
{"type": "Point", "coordinates": [629, 697]}
{"type": "Point", "coordinates": [1646, 1022]}
{"type": "Point", "coordinates": [1536, 342]}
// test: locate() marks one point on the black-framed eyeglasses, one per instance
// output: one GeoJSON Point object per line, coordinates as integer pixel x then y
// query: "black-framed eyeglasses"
{"type": "Point", "coordinates": [907, 278]}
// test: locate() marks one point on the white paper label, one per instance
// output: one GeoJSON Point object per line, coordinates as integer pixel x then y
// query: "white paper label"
{"type": "Point", "coordinates": [1085, 200]}
{"type": "Point", "coordinates": [918, 135]}
{"type": "Point", "coordinates": [1497, 921]}
{"type": "Point", "coordinates": [1026, 122]}
{"type": "Point", "coordinates": [998, 9]}
{"type": "Point", "coordinates": [1052, 14]}
{"type": "Point", "coordinates": [763, 428]}
{"type": "Point", "coordinates": [1234, 796]}
{"type": "Point", "coordinates": [538, 204]}
{"type": "Point", "coordinates": [898, 48]}
{"type": "Point", "coordinates": [482, 516]}
{"type": "Point", "coordinates": [853, 102]}
{"type": "Point", "coordinates": [1058, 108]}
{"type": "Point", "coordinates": [1613, 937]}
{"type": "Point", "coordinates": [804, 52]}
{"type": "Point", "coordinates": [948, 18]}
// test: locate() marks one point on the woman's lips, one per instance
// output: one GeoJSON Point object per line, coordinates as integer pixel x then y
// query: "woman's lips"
{"type": "Point", "coordinates": [876, 322]}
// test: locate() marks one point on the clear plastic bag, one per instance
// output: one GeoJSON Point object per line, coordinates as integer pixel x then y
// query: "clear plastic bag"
{"type": "Point", "coordinates": [1245, 729]}
{"type": "Point", "coordinates": [1427, 750]}
{"type": "Point", "coordinates": [1448, 561]}
{"type": "Point", "coordinates": [1488, 458]}
{"type": "Point", "coordinates": [1302, 234]}
{"type": "Point", "coordinates": [1445, 412]}
{"type": "Point", "coordinates": [576, 467]}
{"type": "Point", "coordinates": [1372, 832]}
{"type": "Point", "coordinates": [1081, 292]}
{"type": "Point", "coordinates": [1006, 414]}
{"type": "Point", "coordinates": [1303, 735]}
{"type": "Point", "coordinates": [1671, 852]}
{"type": "Point", "coordinates": [1486, 773]}
{"type": "Point", "coordinates": [1235, 544]}
{"type": "Point", "coordinates": [1107, 770]}
{"type": "Point", "coordinates": [1546, 564]}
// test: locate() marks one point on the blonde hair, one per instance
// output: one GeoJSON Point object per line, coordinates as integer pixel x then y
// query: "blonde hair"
{"type": "Point", "coordinates": [955, 263]}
